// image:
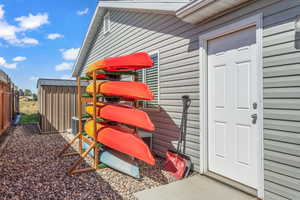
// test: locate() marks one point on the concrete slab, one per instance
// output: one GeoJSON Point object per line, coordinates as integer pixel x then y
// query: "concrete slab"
{"type": "Point", "coordinates": [194, 188]}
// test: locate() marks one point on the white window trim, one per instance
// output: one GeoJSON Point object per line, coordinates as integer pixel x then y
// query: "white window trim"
{"type": "Point", "coordinates": [107, 15]}
{"type": "Point", "coordinates": [158, 75]}
{"type": "Point", "coordinates": [256, 20]}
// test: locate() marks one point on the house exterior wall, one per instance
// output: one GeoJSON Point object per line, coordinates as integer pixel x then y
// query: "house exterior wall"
{"type": "Point", "coordinates": [177, 43]}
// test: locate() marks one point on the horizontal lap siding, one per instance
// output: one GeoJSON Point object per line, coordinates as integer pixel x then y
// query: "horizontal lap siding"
{"type": "Point", "coordinates": [281, 103]}
{"type": "Point", "coordinates": [132, 32]}
{"type": "Point", "coordinates": [177, 43]}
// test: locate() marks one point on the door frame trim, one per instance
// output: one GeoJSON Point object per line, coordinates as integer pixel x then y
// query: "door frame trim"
{"type": "Point", "coordinates": [256, 20]}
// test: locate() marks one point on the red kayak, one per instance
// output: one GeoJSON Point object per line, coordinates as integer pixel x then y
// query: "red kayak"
{"type": "Point", "coordinates": [126, 89]}
{"type": "Point", "coordinates": [122, 139]}
{"type": "Point", "coordinates": [122, 114]}
{"type": "Point", "coordinates": [126, 63]}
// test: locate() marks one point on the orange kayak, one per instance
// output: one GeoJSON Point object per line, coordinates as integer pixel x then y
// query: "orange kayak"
{"type": "Point", "coordinates": [122, 63]}
{"type": "Point", "coordinates": [122, 114]}
{"type": "Point", "coordinates": [122, 139]}
{"type": "Point", "coordinates": [126, 89]}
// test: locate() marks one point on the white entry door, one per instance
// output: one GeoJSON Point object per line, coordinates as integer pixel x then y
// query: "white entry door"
{"type": "Point", "coordinates": [232, 95]}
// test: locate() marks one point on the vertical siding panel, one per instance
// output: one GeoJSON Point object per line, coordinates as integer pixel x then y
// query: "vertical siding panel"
{"type": "Point", "coordinates": [58, 106]}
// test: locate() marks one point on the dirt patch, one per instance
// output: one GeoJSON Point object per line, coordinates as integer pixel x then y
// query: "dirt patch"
{"type": "Point", "coordinates": [29, 112]}
{"type": "Point", "coordinates": [29, 129]}
{"type": "Point", "coordinates": [28, 107]}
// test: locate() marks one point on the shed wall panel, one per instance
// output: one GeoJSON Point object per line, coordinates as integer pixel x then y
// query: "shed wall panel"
{"type": "Point", "coordinates": [57, 107]}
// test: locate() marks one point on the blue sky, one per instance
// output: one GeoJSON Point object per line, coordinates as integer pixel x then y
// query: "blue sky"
{"type": "Point", "coordinates": [41, 38]}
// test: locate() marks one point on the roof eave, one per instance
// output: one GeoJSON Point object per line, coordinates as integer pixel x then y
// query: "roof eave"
{"type": "Point", "coordinates": [154, 7]}
{"type": "Point", "coordinates": [200, 10]}
{"type": "Point", "coordinates": [87, 40]}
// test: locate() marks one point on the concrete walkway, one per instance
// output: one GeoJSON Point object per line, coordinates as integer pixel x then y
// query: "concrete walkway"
{"type": "Point", "coordinates": [194, 188]}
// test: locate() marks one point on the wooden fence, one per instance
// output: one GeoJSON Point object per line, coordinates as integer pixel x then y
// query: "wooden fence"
{"type": "Point", "coordinates": [9, 102]}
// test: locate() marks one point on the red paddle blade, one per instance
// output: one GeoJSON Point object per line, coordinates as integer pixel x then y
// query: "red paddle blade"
{"type": "Point", "coordinates": [175, 165]}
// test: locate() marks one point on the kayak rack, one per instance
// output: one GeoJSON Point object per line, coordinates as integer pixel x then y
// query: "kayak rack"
{"type": "Point", "coordinates": [82, 136]}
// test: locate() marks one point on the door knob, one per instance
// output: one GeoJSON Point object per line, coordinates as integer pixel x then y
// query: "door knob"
{"type": "Point", "coordinates": [254, 105]}
{"type": "Point", "coordinates": [254, 118]}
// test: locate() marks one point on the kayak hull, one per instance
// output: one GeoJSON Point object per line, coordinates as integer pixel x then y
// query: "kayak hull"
{"type": "Point", "coordinates": [125, 89]}
{"type": "Point", "coordinates": [117, 161]}
{"type": "Point", "coordinates": [122, 139]}
{"type": "Point", "coordinates": [122, 114]}
{"type": "Point", "coordinates": [126, 63]}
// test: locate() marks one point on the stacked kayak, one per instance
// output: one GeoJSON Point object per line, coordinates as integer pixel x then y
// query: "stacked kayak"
{"type": "Point", "coordinates": [121, 138]}
{"type": "Point", "coordinates": [125, 89]}
{"type": "Point", "coordinates": [116, 130]}
{"type": "Point", "coordinates": [127, 63]}
{"type": "Point", "coordinates": [123, 114]}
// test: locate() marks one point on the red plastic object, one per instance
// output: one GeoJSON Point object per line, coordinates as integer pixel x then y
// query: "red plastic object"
{"type": "Point", "coordinates": [130, 62]}
{"type": "Point", "coordinates": [125, 89]}
{"type": "Point", "coordinates": [101, 76]}
{"type": "Point", "coordinates": [122, 139]}
{"type": "Point", "coordinates": [122, 114]}
{"type": "Point", "coordinates": [175, 164]}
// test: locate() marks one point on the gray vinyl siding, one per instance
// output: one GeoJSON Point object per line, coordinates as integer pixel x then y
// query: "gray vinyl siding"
{"type": "Point", "coordinates": [177, 43]}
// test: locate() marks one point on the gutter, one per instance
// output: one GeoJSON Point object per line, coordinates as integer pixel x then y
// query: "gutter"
{"type": "Point", "coordinates": [200, 11]}
{"type": "Point", "coordinates": [145, 6]}
{"type": "Point", "coordinates": [192, 7]}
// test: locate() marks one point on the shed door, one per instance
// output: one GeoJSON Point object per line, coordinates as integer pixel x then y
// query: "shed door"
{"type": "Point", "coordinates": [232, 94]}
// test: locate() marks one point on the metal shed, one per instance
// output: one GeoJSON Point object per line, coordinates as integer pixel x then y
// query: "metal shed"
{"type": "Point", "coordinates": [57, 104]}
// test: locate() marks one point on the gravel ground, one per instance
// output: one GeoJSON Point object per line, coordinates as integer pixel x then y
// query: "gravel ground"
{"type": "Point", "coordinates": [29, 169]}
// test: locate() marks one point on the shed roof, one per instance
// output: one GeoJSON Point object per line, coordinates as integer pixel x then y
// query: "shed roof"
{"type": "Point", "coordinates": [58, 82]}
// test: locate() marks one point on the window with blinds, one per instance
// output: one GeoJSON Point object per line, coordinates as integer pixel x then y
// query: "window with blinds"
{"type": "Point", "coordinates": [150, 76]}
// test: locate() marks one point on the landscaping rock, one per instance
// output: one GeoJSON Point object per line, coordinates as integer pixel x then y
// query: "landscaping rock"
{"type": "Point", "coordinates": [30, 169]}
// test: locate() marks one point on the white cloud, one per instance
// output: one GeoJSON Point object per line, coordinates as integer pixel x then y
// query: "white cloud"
{"type": "Point", "coordinates": [53, 36]}
{"type": "Point", "coordinates": [82, 12]}
{"type": "Point", "coordinates": [9, 33]}
{"type": "Point", "coordinates": [70, 54]}
{"type": "Point", "coordinates": [64, 66]}
{"type": "Point", "coordinates": [28, 40]}
{"type": "Point", "coordinates": [32, 21]}
{"type": "Point", "coordinates": [2, 61]}
{"type": "Point", "coordinates": [10, 66]}
{"type": "Point", "coordinates": [34, 78]}
{"type": "Point", "coordinates": [4, 64]}
{"type": "Point", "coordinates": [1, 11]}
{"type": "Point", "coordinates": [66, 76]}
{"type": "Point", "coordinates": [19, 58]}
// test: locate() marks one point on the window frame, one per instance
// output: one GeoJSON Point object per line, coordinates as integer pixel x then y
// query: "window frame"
{"type": "Point", "coordinates": [106, 22]}
{"type": "Point", "coordinates": [158, 79]}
